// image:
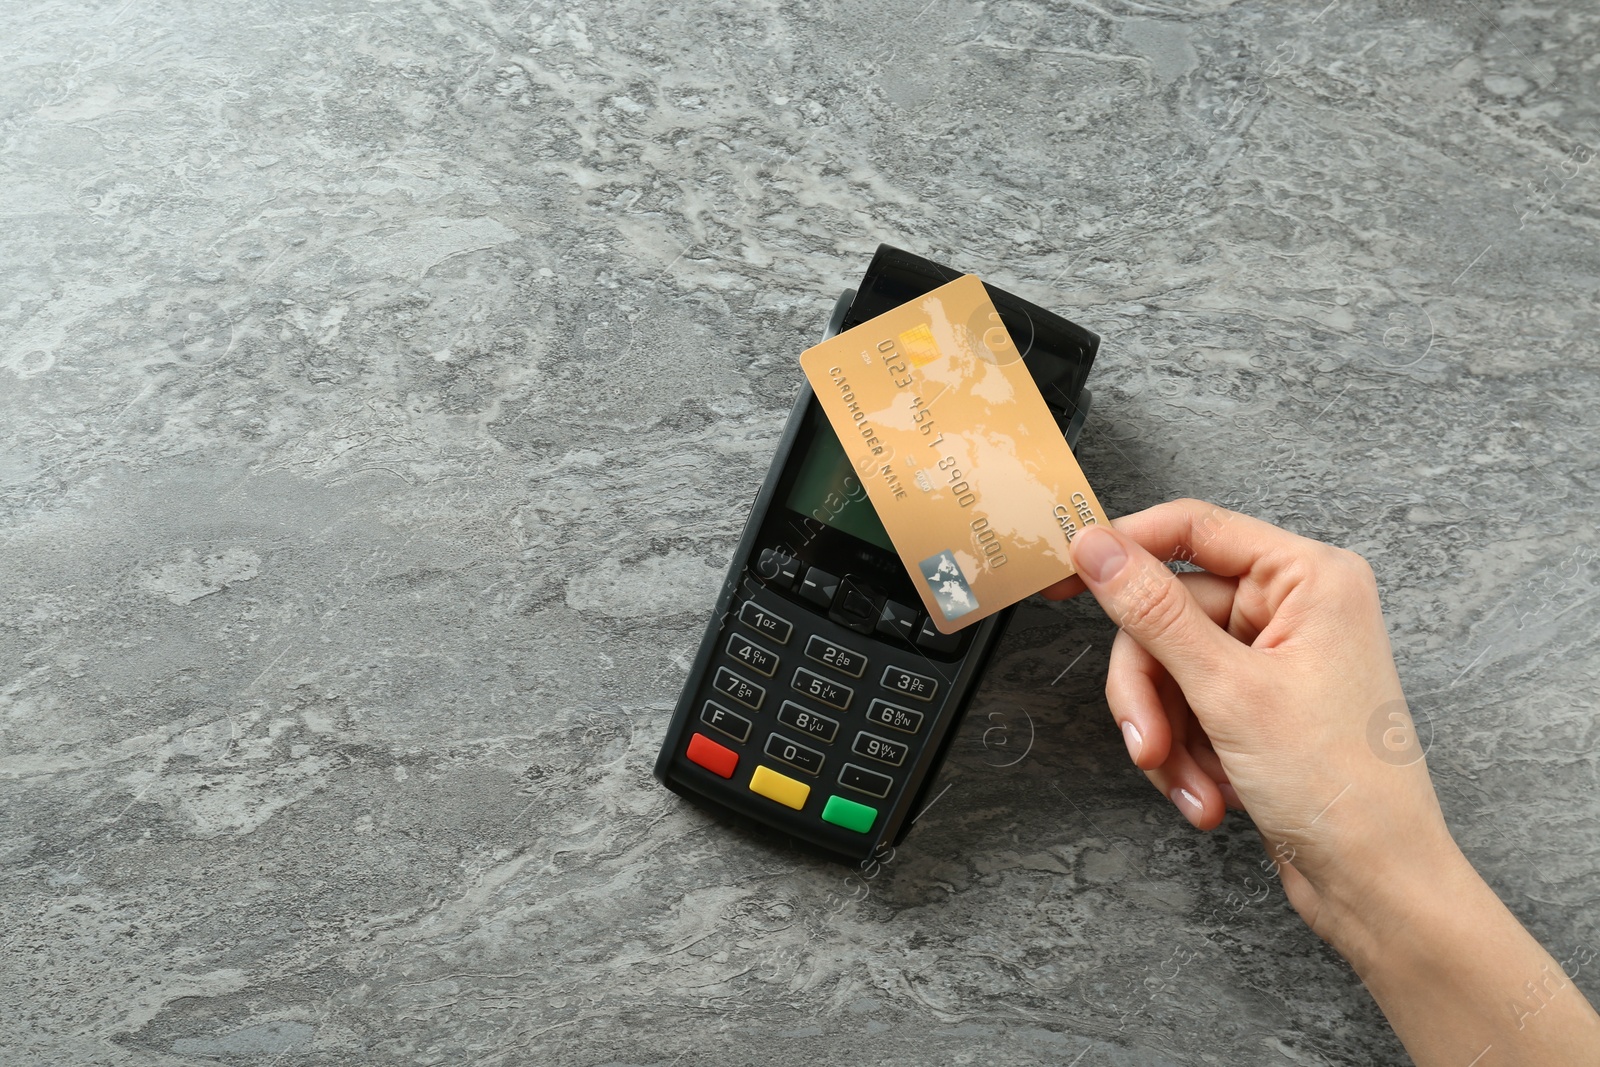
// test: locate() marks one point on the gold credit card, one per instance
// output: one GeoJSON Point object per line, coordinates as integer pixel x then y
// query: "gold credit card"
{"type": "Point", "coordinates": [961, 458]}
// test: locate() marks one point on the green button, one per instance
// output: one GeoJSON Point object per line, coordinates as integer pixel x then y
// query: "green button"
{"type": "Point", "coordinates": [849, 814]}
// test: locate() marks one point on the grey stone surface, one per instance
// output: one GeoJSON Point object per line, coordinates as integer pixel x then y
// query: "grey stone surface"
{"type": "Point", "coordinates": [382, 386]}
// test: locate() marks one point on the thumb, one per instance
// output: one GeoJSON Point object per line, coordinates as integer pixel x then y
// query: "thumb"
{"type": "Point", "coordinates": [1151, 606]}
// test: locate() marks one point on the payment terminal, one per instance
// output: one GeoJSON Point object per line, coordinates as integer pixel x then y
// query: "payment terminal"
{"type": "Point", "coordinates": [822, 699]}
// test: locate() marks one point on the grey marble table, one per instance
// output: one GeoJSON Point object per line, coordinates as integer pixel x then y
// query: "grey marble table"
{"type": "Point", "coordinates": [382, 387]}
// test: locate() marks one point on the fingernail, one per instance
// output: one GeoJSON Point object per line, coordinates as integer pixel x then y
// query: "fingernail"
{"type": "Point", "coordinates": [1097, 555]}
{"type": "Point", "coordinates": [1188, 801]}
{"type": "Point", "coordinates": [1132, 738]}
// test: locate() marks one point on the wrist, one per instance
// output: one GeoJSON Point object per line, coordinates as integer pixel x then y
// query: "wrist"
{"type": "Point", "coordinates": [1405, 921]}
{"type": "Point", "coordinates": [1385, 903]}
{"type": "Point", "coordinates": [1460, 979]}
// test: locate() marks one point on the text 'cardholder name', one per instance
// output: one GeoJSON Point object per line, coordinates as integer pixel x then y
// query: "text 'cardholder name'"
{"type": "Point", "coordinates": [960, 456]}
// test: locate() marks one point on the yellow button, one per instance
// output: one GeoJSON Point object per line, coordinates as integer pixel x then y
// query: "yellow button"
{"type": "Point", "coordinates": [780, 787]}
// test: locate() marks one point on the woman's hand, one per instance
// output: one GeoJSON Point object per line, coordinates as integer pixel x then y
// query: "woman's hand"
{"type": "Point", "coordinates": [1266, 681]}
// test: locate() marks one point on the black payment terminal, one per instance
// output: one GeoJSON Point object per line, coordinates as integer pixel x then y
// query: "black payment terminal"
{"type": "Point", "coordinates": [822, 700]}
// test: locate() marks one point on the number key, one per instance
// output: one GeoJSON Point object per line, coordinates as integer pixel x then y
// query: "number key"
{"type": "Point", "coordinates": [765, 622]}
{"type": "Point", "coordinates": [880, 748]}
{"type": "Point", "coordinates": [907, 684]}
{"type": "Point", "coordinates": [795, 754]}
{"type": "Point", "coordinates": [752, 655]}
{"type": "Point", "coordinates": [895, 717]}
{"type": "Point", "coordinates": [743, 690]}
{"type": "Point", "coordinates": [821, 690]}
{"type": "Point", "coordinates": [836, 656]}
{"type": "Point", "coordinates": [819, 726]}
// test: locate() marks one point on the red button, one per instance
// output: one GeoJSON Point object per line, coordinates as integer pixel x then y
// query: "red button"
{"type": "Point", "coordinates": [718, 759]}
